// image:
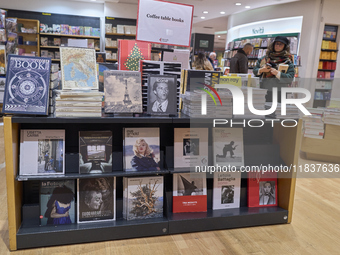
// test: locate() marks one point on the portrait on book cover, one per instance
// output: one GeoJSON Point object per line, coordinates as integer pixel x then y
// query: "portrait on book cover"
{"type": "Point", "coordinates": [267, 193]}
{"type": "Point", "coordinates": [191, 146]}
{"type": "Point", "coordinates": [162, 95]}
{"type": "Point", "coordinates": [227, 194]}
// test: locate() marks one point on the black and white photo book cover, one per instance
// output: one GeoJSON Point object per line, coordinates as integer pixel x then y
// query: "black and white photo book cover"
{"type": "Point", "coordinates": [95, 152]}
{"type": "Point", "coordinates": [42, 152]}
{"type": "Point", "coordinates": [123, 91]}
{"type": "Point", "coordinates": [96, 199]}
{"type": "Point", "coordinates": [162, 95]}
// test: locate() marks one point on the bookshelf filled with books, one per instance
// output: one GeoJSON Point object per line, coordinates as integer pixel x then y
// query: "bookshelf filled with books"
{"type": "Point", "coordinates": [166, 136]}
{"type": "Point", "coordinates": [326, 67]}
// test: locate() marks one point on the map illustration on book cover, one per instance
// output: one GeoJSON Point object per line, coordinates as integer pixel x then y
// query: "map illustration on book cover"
{"type": "Point", "coordinates": [228, 146]}
{"type": "Point", "coordinates": [141, 149]}
{"type": "Point", "coordinates": [96, 199]}
{"type": "Point", "coordinates": [57, 205]}
{"type": "Point", "coordinates": [42, 152]}
{"type": "Point", "coordinates": [189, 192]}
{"type": "Point", "coordinates": [95, 152]}
{"type": "Point", "coordinates": [123, 92]}
{"type": "Point", "coordinates": [144, 198]}
{"type": "Point", "coordinates": [27, 85]}
{"type": "Point", "coordinates": [78, 68]}
{"type": "Point", "coordinates": [162, 95]}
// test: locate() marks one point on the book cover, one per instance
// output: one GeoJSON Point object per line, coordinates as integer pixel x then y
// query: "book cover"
{"type": "Point", "coordinates": [228, 146]}
{"type": "Point", "coordinates": [161, 68]}
{"type": "Point", "coordinates": [141, 149]}
{"type": "Point", "coordinates": [130, 52]}
{"type": "Point", "coordinates": [262, 189]}
{"type": "Point", "coordinates": [189, 192]}
{"type": "Point", "coordinates": [190, 147]}
{"type": "Point", "coordinates": [96, 199]}
{"type": "Point", "coordinates": [162, 94]}
{"type": "Point", "coordinates": [27, 85]}
{"type": "Point", "coordinates": [57, 206]}
{"type": "Point", "coordinates": [2, 59]}
{"type": "Point", "coordinates": [227, 190]}
{"type": "Point", "coordinates": [178, 57]}
{"type": "Point", "coordinates": [100, 57]}
{"type": "Point", "coordinates": [123, 92]}
{"type": "Point", "coordinates": [95, 152]}
{"type": "Point", "coordinates": [78, 68]}
{"type": "Point", "coordinates": [42, 152]}
{"type": "Point", "coordinates": [144, 198]}
{"type": "Point", "coordinates": [197, 78]}
{"type": "Point", "coordinates": [101, 67]}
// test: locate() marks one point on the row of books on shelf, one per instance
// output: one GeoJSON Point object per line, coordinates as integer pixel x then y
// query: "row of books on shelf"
{"type": "Point", "coordinates": [42, 152]}
{"type": "Point", "coordinates": [65, 29]}
{"type": "Point", "coordinates": [329, 34]}
{"type": "Point", "coordinates": [328, 55]}
{"type": "Point", "coordinates": [322, 95]}
{"type": "Point", "coordinates": [120, 29]}
{"type": "Point", "coordinates": [109, 42]}
{"type": "Point", "coordinates": [46, 41]}
{"type": "Point", "coordinates": [325, 75]}
{"type": "Point", "coordinates": [329, 45]}
{"type": "Point", "coordinates": [143, 197]}
{"type": "Point", "coordinates": [327, 65]}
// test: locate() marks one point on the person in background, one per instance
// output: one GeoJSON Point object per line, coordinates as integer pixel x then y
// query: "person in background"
{"type": "Point", "coordinates": [202, 63]}
{"type": "Point", "coordinates": [239, 63]}
{"type": "Point", "coordinates": [212, 58]}
{"type": "Point", "coordinates": [267, 67]}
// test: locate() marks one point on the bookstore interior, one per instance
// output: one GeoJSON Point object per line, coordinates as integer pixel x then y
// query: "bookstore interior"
{"type": "Point", "coordinates": [109, 112]}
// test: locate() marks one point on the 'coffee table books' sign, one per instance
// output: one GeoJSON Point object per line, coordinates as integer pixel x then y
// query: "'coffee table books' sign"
{"type": "Point", "coordinates": [27, 85]}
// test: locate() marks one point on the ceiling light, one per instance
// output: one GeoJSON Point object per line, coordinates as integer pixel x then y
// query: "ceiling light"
{"type": "Point", "coordinates": [218, 36]}
{"type": "Point", "coordinates": [238, 4]}
{"type": "Point", "coordinates": [222, 12]}
{"type": "Point", "coordinates": [93, 0]}
{"type": "Point", "coordinates": [202, 17]}
{"type": "Point", "coordinates": [247, 7]}
{"type": "Point", "coordinates": [205, 12]}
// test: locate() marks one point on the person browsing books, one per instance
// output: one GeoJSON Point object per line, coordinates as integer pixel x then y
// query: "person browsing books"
{"type": "Point", "coordinates": [144, 157]}
{"type": "Point", "coordinates": [239, 63]}
{"type": "Point", "coordinates": [202, 63]}
{"type": "Point", "coordinates": [275, 68]}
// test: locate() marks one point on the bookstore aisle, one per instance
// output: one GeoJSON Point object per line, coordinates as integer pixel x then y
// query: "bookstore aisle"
{"type": "Point", "coordinates": [314, 230]}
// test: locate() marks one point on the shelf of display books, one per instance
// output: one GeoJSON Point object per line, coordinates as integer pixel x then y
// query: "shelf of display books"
{"type": "Point", "coordinates": [58, 47]}
{"type": "Point", "coordinates": [32, 235]}
{"type": "Point", "coordinates": [226, 219]}
{"type": "Point", "coordinates": [78, 36]}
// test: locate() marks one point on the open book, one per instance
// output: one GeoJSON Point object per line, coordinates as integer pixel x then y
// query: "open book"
{"type": "Point", "coordinates": [283, 68]}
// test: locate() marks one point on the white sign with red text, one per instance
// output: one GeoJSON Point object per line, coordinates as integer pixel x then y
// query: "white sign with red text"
{"type": "Point", "coordinates": [164, 22]}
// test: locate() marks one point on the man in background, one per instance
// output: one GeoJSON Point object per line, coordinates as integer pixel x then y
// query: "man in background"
{"type": "Point", "coordinates": [212, 58]}
{"type": "Point", "coordinates": [239, 63]}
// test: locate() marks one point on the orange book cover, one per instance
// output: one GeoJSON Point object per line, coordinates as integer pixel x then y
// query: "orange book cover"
{"type": "Point", "coordinates": [130, 52]}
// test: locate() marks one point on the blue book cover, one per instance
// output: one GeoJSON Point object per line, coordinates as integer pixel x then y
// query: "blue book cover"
{"type": "Point", "coordinates": [27, 85]}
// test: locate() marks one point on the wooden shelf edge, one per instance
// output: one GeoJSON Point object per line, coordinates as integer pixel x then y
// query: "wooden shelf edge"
{"type": "Point", "coordinates": [79, 36]}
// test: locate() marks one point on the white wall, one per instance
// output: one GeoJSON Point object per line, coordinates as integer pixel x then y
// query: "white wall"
{"type": "Point", "coordinates": [120, 10]}
{"type": "Point", "coordinates": [55, 6]}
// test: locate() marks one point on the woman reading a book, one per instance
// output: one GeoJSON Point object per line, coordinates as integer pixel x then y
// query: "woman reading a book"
{"type": "Point", "coordinates": [276, 68]}
{"type": "Point", "coordinates": [58, 206]}
{"type": "Point", "coordinates": [144, 157]}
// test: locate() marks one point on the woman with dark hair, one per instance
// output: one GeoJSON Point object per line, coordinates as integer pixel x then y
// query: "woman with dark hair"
{"type": "Point", "coordinates": [278, 53]}
{"type": "Point", "coordinates": [58, 206]}
{"type": "Point", "coordinates": [202, 63]}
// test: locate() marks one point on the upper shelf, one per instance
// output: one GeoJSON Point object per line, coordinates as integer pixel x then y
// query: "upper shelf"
{"type": "Point", "coordinates": [78, 36]}
{"type": "Point", "coordinates": [119, 34]}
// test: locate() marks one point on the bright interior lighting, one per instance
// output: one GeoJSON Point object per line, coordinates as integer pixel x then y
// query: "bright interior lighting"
{"type": "Point", "coordinates": [218, 36]}
{"type": "Point", "coordinates": [205, 12]}
{"type": "Point", "coordinates": [247, 7]}
{"type": "Point", "coordinates": [202, 17]}
{"type": "Point", "coordinates": [222, 12]}
{"type": "Point", "coordinates": [238, 4]}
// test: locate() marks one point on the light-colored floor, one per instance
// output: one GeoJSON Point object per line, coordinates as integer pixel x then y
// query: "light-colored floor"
{"type": "Point", "coordinates": [315, 230]}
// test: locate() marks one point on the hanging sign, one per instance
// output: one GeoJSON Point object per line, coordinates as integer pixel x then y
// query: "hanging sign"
{"type": "Point", "coordinates": [164, 22]}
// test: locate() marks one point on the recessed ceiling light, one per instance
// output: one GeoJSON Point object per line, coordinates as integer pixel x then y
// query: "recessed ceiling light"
{"type": "Point", "coordinates": [202, 17]}
{"type": "Point", "coordinates": [93, 0]}
{"type": "Point", "coordinates": [238, 4]}
{"type": "Point", "coordinates": [218, 36]}
{"type": "Point", "coordinates": [247, 7]}
{"type": "Point", "coordinates": [205, 12]}
{"type": "Point", "coordinates": [222, 12]}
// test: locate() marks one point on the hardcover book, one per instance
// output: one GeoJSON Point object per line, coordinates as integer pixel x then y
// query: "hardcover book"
{"type": "Point", "coordinates": [27, 85]}
{"type": "Point", "coordinates": [95, 152]}
{"type": "Point", "coordinates": [57, 205]}
{"type": "Point", "coordinates": [227, 189]}
{"type": "Point", "coordinates": [262, 189]}
{"type": "Point", "coordinates": [191, 147]}
{"type": "Point", "coordinates": [96, 199]}
{"type": "Point", "coordinates": [130, 52]}
{"type": "Point", "coordinates": [141, 149]}
{"type": "Point", "coordinates": [228, 146]}
{"type": "Point", "coordinates": [78, 68]}
{"type": "Point", "coordinates": [123, 92]}
{"type": "Point", "coordinates": [143, 198]}
{"type": "Point", "coordinates": [42, 152]}
{"type": "Point", "coordinates": [162, 94]}
{"type": "Point", "coordinates": [194, 79]}
{"type": "Point", "coordinates": [2, 59]}
{"type": "Point", "coordinates": [189, 192]}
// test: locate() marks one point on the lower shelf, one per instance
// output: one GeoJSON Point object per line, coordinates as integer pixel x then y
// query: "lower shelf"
{"type": "Point", "coordinates": [30, 236]}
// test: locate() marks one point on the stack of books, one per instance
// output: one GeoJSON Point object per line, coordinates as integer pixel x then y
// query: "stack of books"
{"type": "Point", "coordinates": [192, 103]}
{"type": "Point", "coordinates": [332, 116]}
{"type": "Point", "coordinates": [313, 126]}
{"type": "Point", "coordinates": [78, 103]}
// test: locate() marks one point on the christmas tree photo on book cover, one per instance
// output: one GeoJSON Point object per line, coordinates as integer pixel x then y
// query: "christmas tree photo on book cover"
{"type": "Point", "coordinates": [131, 52]}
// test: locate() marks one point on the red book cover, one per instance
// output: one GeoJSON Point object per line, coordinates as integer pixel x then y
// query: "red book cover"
{"type": "Point", "coordinates": [130, 52]}
{"type": "Point", "coordinates": [333, 65]}
{"type": "Point", "coordinates": [189, 192]}
{"type": "Point", "coordinates": [321, 75]}
{"type": "Point", "coordinates": [262, 189]}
